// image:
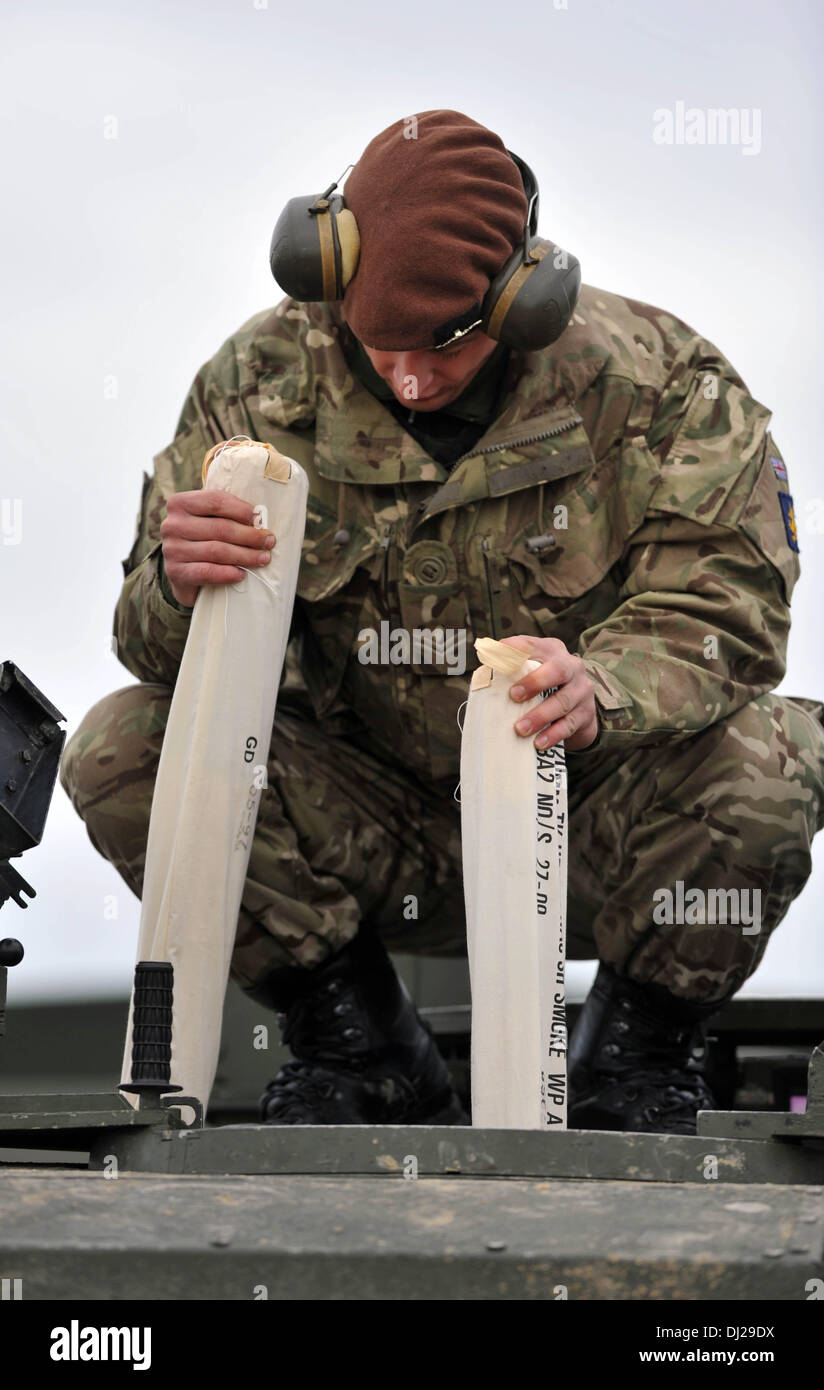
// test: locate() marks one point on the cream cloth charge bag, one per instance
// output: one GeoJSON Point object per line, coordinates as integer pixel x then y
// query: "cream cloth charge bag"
{"type": "Point", "coordinates": [212, 766]}
{"type": "Point", "coordinates": [513, 830]}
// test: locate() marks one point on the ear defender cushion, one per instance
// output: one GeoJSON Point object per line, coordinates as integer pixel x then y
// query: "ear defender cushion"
{"type": "Point", "coordinates": [314, 256]}
{"type": "Point", "coordinates": [349, 240]}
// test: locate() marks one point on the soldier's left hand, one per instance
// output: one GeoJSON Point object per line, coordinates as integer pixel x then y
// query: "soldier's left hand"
{"type": "Point", "coordinates": [570, 714]}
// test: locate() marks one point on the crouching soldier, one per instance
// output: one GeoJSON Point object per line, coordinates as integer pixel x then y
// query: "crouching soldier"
{"type": "Point", "coordinates": [494, 453]}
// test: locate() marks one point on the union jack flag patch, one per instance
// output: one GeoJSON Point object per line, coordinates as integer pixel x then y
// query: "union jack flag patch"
{"type": "Point", "coordinates": [779, 468]}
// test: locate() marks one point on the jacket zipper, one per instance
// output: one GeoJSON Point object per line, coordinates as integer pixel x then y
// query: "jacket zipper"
{"type": "Point", "coordinates": [491, 449]}
{"type": "Point", "coordinates": [493, 606]}
{"type": "Point", "coordinates": [511, 444]}
{"type": "Point", "coordinates": [530, 439]}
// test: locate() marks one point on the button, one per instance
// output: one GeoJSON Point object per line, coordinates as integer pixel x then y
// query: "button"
{"type": "Point", "coordinates": [430, 565]}
{"type": "Point", "coordinates": [341, 538]}
{"type": "Point", "coordinates": [431, 569]}
{"type": "Point", "coordinates": [535, 544]}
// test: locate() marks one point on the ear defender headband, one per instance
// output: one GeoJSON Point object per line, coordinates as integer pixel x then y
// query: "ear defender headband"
{"type": "Point", "coordinates": [316, 244]}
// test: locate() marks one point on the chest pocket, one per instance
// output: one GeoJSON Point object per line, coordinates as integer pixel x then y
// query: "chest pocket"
{"type": "Point", "coordinates": [560, 572]}
{"type": "Point", "coordinates": [337, 565]}
{"type": "Point", "coordinates": [433, 609]}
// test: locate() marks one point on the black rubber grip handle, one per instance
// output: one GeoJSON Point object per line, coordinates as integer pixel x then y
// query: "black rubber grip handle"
{"type": "Point", "coordinates": [152, 1027]}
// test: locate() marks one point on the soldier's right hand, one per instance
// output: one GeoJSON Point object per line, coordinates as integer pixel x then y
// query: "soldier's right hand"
{"type": "Point", "coordinates": [207, 535]}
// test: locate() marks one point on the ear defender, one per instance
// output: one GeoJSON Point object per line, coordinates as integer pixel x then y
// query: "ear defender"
{"type": "Point", "coordinates": [531, 300]}
{"type": "Point", "coordinates": [316, 244]}
{"type": "Point", "coordinates": [315, 247]}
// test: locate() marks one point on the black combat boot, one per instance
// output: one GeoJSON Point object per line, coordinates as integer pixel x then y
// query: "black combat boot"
{"type": "Point", "coordinates": [363, 1055]}
{"type": "Point", "coordinates": [636, 1059]}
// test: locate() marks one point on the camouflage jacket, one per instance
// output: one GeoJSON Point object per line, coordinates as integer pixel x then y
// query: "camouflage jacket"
{"type": "Point", "coordinates": [627, 499]}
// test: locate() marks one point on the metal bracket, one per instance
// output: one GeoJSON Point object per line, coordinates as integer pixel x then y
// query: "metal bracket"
{"type": "Point", "coordinates": [13, 885]}
{"type": "Point", "coordinates": [769, 1124]}
{"type": "Point", "coordinates": [172, 1103]}
{"type": "Point", "coordinates": [74, 1121]}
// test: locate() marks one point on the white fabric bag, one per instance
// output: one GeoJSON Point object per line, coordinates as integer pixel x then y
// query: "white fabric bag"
{"type": "Point", "coordinates": [212, 766]}
{"type": "Point", "coordinates": [513, 828]}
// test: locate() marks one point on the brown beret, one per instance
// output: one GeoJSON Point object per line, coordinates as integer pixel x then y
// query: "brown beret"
{"type": "Point", "coordinates": [440, 207]}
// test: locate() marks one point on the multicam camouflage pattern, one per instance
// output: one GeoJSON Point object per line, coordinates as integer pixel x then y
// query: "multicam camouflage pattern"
{"type": "Point", "coordinates": [626, 500]}
{"type": "Point", "coordinates": [341, 836]}
{"type": "Point", "coordinates": [628, 461]}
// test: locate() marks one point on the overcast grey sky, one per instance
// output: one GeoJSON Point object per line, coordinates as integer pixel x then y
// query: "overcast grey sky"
{"type": "Point", "coordinates": [132, 258]}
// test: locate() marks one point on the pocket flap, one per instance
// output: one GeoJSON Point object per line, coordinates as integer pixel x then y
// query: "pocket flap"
{"type": "Point", "coordinates": [587, 529]}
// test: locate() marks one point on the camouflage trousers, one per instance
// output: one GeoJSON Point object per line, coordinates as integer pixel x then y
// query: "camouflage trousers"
{"type": "Point", "coordinates": [343, 838]}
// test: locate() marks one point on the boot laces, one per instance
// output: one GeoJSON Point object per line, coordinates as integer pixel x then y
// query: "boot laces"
{"type": "Point", "coordinates": [300, 1092]}
{"type": "Point", "coordinates": [297, 1091]}
{"type": "Point", "coordinates": [312, 1027]}
{"type": "Point", "coordinates": [647, 1052]}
